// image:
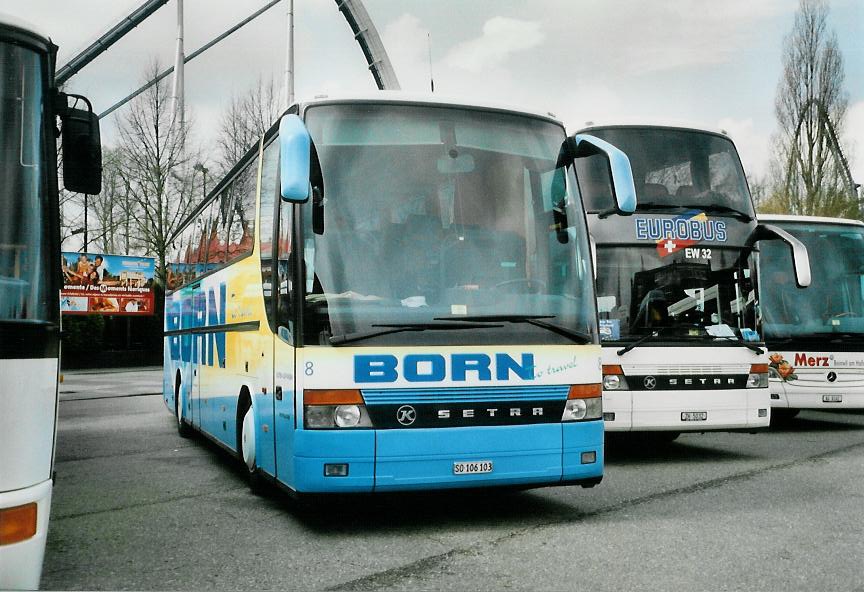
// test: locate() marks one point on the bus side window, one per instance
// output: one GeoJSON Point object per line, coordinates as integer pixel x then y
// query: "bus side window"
{"type": "Point", "coordinates": [239, 210]}
{"type": "Point", "coordinates": [190, 255]}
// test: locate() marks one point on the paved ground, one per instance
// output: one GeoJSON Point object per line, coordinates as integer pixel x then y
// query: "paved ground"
{"type": "Point", "coordinates": [137, 507]}
{"type": "Point", "coordinates": [96, 384]}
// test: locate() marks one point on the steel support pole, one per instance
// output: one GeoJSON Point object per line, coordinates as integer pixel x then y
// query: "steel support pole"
{"type": "Point", "coordinates": [178, 71]}
{"type": "Point", "coordinates": [289, 57]}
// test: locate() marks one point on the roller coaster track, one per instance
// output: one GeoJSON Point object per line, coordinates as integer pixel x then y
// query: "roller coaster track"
{"type": "Point", "coordinates": [354, 12]}
{"type": "Point", "coordinates": [833, 144]}
{"type": "Point", "coordinates": [370, 43]}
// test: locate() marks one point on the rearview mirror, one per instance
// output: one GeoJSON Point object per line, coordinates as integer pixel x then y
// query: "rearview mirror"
{"type": "Point", "coordinates": [82, 151]}
{"type": "Point", "coordinates": [294, 159]}
{"type": "Point", "coordinates": [800, 256]}
{"type": "Point", "coordinates": [619, 168]}
{"type": "Point", "coordinates": [450, 165]}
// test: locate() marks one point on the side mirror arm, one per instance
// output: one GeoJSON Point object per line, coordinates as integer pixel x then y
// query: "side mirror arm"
{"type": "Point", "coordinates": [800, 256]}
{"type": "Point", "coordinates": [620, 170]}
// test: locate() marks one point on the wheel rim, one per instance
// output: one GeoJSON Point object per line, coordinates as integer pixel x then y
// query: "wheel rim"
{"type": "Point", "coordinates": [247, 439]}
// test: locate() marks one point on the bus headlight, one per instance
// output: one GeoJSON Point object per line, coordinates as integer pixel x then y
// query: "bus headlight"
{"type": "Point", "coordinates": [318, 416]}
{"type": "Point", "coordinates": [583, 409]}
{"type": "Point", "coordinates": [614, 382]}
{"type": "Point", "coordinates": [758, 377]}
{"type": "Point", "coordinates": [328, 409]}
{"type": "Point", "coordinates": [347, 416]}
{"type": "Point", "coordinates": [575, 409]}
{"type": "Point", "coordinates": [613, 378]}
{"type": "Point", "coordinates": [584, 403]}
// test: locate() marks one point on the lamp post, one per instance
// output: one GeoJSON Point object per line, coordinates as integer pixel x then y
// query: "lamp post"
{"type": "Point", "coordinates": [84, 250]}
{"type": "Point", "coordinates": [203, 170]}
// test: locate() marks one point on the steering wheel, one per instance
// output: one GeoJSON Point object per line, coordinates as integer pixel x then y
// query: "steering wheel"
{"type": "Point", "coordinates": [525, 280]}
{"type": "Point", "coordinates": [848, 313]}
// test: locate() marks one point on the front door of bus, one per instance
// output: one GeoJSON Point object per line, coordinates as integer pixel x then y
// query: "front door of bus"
{"type": "Point", "coordinates": [284, 417]}
{"type": "Point", "coordinates": [284, 352]}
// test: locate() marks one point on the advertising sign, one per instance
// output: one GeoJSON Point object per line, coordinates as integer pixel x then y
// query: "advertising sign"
{"type": "Point", "coordinates": [107, 284]}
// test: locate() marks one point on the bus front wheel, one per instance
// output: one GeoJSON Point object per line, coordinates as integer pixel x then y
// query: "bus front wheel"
{"type": "Point", "coordinates": [184, 430]}
{"type": "Point", "coordinates": [247, 447]}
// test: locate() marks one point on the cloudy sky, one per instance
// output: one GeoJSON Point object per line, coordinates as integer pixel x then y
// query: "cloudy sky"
{"type": "Point", "coordinates": [714, 63]}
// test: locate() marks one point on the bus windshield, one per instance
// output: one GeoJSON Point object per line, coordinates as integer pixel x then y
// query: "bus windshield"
{"type": "Point", "coordinates": [834, 302]}
{"type": "Point", "coordinates": [435, 216]}
{"type": "Point", "coordinates": [25, 284]}
{"type": "Point", "coordinates": [671, 167]}
{"type": "Point", "coordinates": [641, 290]}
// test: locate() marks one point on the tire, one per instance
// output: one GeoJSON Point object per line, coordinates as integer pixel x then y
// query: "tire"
{"type": "Point", "coordinates": [665, 437]}
{"type": "Point", "coordinates": [184, 430]}
{"type": "Point", "coordinates": [246, 451]}
{"type": "Point", "coordinates": [781, 416]}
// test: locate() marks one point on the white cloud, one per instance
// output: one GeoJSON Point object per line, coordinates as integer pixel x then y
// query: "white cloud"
{"type": "Point", "coordinates": [657, 36]}
{"type": "Point", "coordinates": [501, 37]}
{"type": "Point", "coordinates": [854, 140]}
{"type": "Point", "coordinates": [754, 146]}
{"type": "Point", "coordinates": [591, 104]}
{"type": "Point", "coordinates": [406, 41]}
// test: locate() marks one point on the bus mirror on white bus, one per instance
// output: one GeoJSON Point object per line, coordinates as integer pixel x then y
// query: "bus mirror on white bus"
{"type": "Point", "coordinates": [294, 159]}
{"type": "Point", "coordinates": [619, 169]}
{"type": "Point", "coordinates": [800, 257]}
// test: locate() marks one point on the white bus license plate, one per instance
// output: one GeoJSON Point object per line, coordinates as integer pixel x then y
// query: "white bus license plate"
{"type": "Point", "coordinates": [832, 398]}
{"type": "Point", "coordinates": [472, 467]}
{"type": "Point", "coordinates": [694, 416]}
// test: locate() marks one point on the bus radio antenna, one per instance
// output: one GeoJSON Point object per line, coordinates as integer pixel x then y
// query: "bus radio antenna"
{"type": "Point", "coordinates": [431, 79]}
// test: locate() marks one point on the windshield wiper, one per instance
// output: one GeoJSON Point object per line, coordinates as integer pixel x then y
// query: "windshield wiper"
{"type": "Point", "coordinates": [837, 335]}
{"type": "Point", "coordinates": [399, 328]}
{"type": "Point", "coordinates": [535, 320]}
{"type": "Point", "coordinates": [718, 208]}
{"type": "Point", "coordinates": [637, 343]}
{"type": "Point", "coordinates": [648, 206]}
{"type": "Point", "coordinates": [654, 205]}
{"type": "Point", "coordinates": [708, 207]}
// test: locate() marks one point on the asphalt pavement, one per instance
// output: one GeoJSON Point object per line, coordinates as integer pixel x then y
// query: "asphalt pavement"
{"type": "Point", "coordinates": [137, 507]}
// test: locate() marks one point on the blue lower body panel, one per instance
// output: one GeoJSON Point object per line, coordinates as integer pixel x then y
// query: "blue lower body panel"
{"type": "Point", "coordinates": [582, 438]}
{"type": "Point", "coordinates": [314, 449]}
{"type": "Point", "coordinates": [413, 459]}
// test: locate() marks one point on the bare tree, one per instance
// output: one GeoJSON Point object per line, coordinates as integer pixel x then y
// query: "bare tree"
{"type": "Point", "coordinates": [71, 214]}
{"type": "Point", "coordinates": [71, 205]}
{"type": "Point", "coordinates": [158, 169]}
{"type": "Point", "coordinates": [810, 174]}
{"type": "Point", "coordinates": [106, 214]}
{"type": "Point", "coordinates": [245, 120]}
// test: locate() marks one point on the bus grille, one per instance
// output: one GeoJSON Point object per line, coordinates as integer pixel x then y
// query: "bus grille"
{"type": "Point", "coordinates": [462, 394]}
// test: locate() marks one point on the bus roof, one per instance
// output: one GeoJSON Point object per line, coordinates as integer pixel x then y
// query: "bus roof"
{"type": "Point", "coordinates": [813, 219]}
{"type": "Point", "coordinates": [410, 98]}
{"type": "Point", "coordinates": [664, 124]}
{"type": "Point", "coordinates": [7, 20]}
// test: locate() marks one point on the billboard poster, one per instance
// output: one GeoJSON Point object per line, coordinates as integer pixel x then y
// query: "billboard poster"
{"type": "Point", "coordinates": [97, 283]}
